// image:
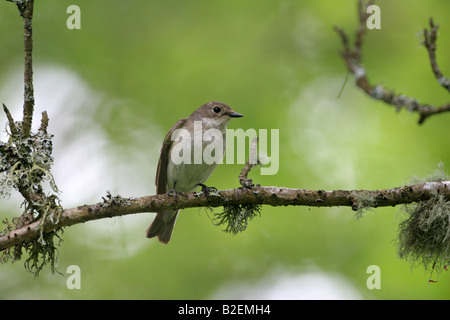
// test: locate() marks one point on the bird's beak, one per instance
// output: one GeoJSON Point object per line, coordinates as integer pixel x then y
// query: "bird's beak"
{"type": "Point", "coordinates": [234, 114]}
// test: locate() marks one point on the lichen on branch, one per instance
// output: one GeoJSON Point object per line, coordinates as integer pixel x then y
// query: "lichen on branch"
{"type": "Point", "coordinates": [25, 164]}
{"type": "Point", "coordinates": [424, 234]}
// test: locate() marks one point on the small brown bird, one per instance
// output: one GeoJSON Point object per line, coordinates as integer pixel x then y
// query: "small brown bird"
{"type": "Point", "coordinates": [186, 175]}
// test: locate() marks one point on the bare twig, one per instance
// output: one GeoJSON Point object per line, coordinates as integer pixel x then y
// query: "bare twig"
{"type": "Point", "coordinates": [243, 179]}
{"type": "Point", "coordinates": [44, 122]}
{"type": "Point", "coordinates": [26, 12]}
{"type": "Point", "coordinates": [363, 15]}
{"type": "Point", "coordinates": [28, 106]}
{"type": "Point", "coordinates": [12, 126]}
{"type": "Point", "coordinates": [251, 162]}
{"type": "Point", "coordinates": [430, 43]}
{"type": "Point", "coordinates": [352, 57]}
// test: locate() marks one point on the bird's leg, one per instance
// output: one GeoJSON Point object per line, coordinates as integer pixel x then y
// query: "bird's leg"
{"type": "Point", "coordinates": [173, 192]}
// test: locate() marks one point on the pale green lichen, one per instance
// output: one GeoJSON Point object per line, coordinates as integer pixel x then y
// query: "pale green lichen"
{"type": "Point", "coordinates": [25, 165]}
{"type": "Point", "coordinates": [236, 217]}
{"type": "Point", "coordinates": [438, 174]}
{"type": "Point", "coordinates": [363, 202]}
{"type": "Point", "coordinates": [424, 234]}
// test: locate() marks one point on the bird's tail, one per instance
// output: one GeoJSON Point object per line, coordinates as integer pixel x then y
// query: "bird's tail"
{"type": "Point", "coordinates": [162, 225]}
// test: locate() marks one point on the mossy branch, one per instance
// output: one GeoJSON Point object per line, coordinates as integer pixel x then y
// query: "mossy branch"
{"type": "Point", "coordinates": [25, 162]}
{"type": "Point", "coordinates": [273, 196]}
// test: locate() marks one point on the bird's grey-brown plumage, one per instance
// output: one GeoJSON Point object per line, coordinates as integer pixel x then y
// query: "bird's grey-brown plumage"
{"type": "Point", "coordinates": [160, 227]}
{"type": "Point", "coordinates": [186, 177]}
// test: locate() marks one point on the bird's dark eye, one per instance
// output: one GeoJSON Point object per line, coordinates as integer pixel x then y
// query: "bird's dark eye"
{"type": "Point", "coordinates": [216, 109]}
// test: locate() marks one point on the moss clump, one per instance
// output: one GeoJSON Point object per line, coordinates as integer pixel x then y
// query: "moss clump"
{"type": "Point", "coordinates": [25, 164]}
{"type": "Point", "coordinates": [424, 235]}
{"type": "Point", "coordinates": [437, 175]}
{"type": "Point", "coordinates": [43, 251]}
{"type": "Point", "coordinates": [236, 217]}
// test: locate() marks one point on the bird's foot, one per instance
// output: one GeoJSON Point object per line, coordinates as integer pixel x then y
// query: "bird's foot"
{"type": "Point", "coordinates": [208, 191]}
{"type": "Point", "coordinates": [173, 193]}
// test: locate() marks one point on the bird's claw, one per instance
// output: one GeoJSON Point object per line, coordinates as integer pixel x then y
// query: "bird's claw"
{"type": "Point", "coordinates": [207, 190]}
{"type": "Point", "coordinates": [173, 193]}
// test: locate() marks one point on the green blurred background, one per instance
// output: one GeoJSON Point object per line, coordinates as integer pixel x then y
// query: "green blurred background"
{"type": "Point", "coordinates": [114, 88]}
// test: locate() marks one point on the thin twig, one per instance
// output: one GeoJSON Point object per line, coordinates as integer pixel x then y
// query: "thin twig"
{"type": "Point", "coordinates": [251, 162]}
{"type": "Point", "coordinates": [430, 43]}
{"type": "Point", "coordinates": [12, 126]}
{"type": "Point", "coordinates": [352, 57]}
{"type": "Point", "coordinates": [26, 11]}
{"type": "Point", "coordinates": [44, 122]}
